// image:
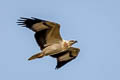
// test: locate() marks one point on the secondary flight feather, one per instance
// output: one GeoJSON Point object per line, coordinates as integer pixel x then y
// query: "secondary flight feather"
{"type": "Point", "coordinates": [47, 35]}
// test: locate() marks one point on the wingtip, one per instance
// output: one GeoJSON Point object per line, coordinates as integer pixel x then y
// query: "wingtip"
{"type": "Point", "coordinates": [33, 18]}
{"type": "Point", "coordinates": [23, 18]}
{"type": "Point", "coordinates": [56, 68]}
{"type": "Point", "coordinates": [21, 21]}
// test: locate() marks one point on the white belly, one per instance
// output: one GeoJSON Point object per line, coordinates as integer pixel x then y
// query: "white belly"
{"type": "Point", "coordinates": [53, 49]}
{"type": "Point", "coordinates": [56, 48]}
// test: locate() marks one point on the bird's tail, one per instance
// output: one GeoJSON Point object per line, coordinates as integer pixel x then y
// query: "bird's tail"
{"type": "Point", "coordinates": [38, 55]}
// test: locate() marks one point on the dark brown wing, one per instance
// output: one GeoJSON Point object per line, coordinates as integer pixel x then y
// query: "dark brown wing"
{"type": "Point", "coordinates": [47, 32]}
{"type": "Point", "coordinates": [40, 38]}
{"type": "Point", "coordinates": [65, 57]}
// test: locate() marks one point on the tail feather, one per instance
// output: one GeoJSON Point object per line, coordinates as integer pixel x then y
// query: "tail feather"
{"type": "Point", "coordinates": [38, 55]}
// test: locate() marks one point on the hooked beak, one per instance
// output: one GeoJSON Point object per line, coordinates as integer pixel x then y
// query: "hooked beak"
{"type": "Point", "coordinates": [75, 41]}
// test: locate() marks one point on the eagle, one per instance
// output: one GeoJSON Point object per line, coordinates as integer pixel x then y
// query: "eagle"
{"type": "Point", "coordinates": [48, 38]}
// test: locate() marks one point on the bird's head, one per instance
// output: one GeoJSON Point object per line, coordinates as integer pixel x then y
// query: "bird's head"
{"type": "Point", "coordinates": [71, 42]}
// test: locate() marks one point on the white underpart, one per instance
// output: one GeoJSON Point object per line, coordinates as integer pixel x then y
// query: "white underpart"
{"type": "Point", "coordinates": [65, 41]}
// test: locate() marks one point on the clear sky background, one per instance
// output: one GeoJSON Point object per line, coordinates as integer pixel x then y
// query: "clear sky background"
{"type": "Point", "coordinates": [94, 23]}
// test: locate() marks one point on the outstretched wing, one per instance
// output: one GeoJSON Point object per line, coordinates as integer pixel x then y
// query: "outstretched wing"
{"type": "Point", "coordinates": [47, 32]}
{"type": "Point", "coordinates": [65, 57]}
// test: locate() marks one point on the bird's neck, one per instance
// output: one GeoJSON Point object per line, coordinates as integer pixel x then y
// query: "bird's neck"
{"type": "Point", "coordinates": [66, 44]}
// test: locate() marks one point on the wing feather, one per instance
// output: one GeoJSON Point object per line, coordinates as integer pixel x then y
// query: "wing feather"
{"type": "Point", "coordinates": [65, 57]}
{"type": "Point", "coordinates": [47, 32]}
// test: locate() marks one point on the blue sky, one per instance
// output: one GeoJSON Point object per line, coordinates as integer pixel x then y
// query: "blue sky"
{"type": "Point", "coordinates": [94, 23]}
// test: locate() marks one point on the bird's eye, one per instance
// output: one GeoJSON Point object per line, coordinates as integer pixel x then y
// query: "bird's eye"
{"type": "Point", "coordinates": [72, 40]}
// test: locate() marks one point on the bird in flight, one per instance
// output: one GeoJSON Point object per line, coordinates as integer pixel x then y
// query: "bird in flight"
{"type": "Point", "coordinates": [48, 38]}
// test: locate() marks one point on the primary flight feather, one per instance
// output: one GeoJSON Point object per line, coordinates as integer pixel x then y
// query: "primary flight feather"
{"type": "Point", "coordinates": [47, 35]}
